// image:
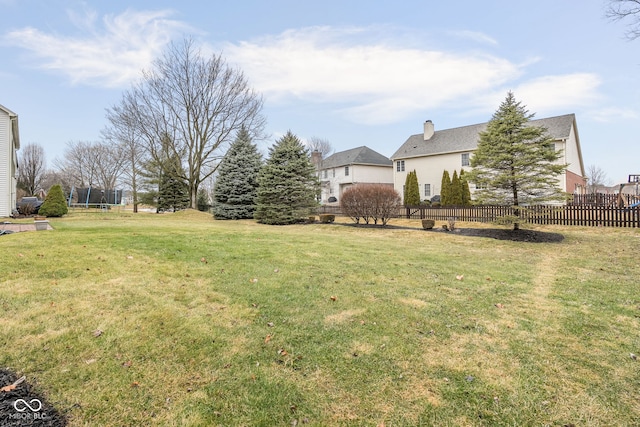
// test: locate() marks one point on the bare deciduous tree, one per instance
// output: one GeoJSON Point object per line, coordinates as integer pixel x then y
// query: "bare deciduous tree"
{"type": "Point", "coordinates": [596, 179]}
{"type": "Point", "coordinates": [321, 145]}
{"type": "Point", "coordinates": [31, 168]}
{"type": "Point", "coordinates": [122, 132]}
{"type": "Point", "coordinates": [628, 10]}
{"type": "Point", "coordinates": [91, 164]}
{"type": "Point", "coordinates": [199, 104]}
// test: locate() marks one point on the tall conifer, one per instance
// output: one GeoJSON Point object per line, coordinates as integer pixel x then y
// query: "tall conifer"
{"type": "Point", "coordinates": [288, 187]}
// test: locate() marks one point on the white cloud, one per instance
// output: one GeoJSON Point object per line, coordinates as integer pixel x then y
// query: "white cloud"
{"type": "Point", "coordinates": [370, 79]}
{"type": "Point", "coordinates": [612, 114]}
{"type": "Point", "coordinates": [109, 55]}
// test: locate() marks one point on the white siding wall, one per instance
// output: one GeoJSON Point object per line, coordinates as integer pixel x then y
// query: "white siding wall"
{"type": "Point", "coordinates": [334, 186]}
{"type": "Point", "coordinates": [429, 171]}
{"type": "Point", "coordinates": [6, 159]}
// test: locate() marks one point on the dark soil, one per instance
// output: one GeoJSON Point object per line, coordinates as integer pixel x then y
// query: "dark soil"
{"type": "Point", "coordinates": [18, 407]}
{"type": "Point", "coordinates": [531, 236]}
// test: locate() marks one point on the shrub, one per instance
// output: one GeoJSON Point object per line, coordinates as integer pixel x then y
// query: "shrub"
{"type": "Point", "coordinates": [54, 204]}
{"type": "Point", "coordinates": [428, 224]}
{"type": "Point", "coordinates": [327, 218]}
{"type": "Point", "coordinates": [371, 202]}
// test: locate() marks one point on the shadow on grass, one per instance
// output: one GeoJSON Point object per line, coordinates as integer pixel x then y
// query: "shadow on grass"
{"type": "Point", "coordinates": [532, 236]}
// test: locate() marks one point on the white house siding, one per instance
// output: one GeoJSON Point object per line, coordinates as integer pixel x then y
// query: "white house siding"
{"type": "Point", "coordinates": [6, 159]}
{"type": "Point", "coordinates": [429, 170]}
{"type": "Point", "coordinates": [335, 185]}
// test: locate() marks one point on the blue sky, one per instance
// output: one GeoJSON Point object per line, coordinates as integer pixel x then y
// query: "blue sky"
{"type": "Point", "coordinates": [351, 72]}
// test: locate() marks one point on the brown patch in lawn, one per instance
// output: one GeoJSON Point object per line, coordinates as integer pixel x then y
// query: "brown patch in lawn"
{"type": "Point", "coordinates": [413, 302]}
{"type": "Point", "coordinates": [486, 356]}
{"type": "Point", "coordinates": [343, 316]}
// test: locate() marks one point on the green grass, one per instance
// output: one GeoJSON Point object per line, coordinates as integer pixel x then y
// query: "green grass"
{"type": "Point", "coordinates": [234, 323]}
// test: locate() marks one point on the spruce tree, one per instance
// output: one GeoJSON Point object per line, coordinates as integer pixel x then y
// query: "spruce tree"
{"type": "Point", "coordinates": [445, 189]}
{"type": "Point", "coordinates": [173, 190]}
{"type": "Point", "coordinates": [515, 163]}
{"type": "Point", "coordinates": [466, 193]}
{"type": "Point", "coordinates": [164, 179]}
{"type": "Point", "coordinates": [455, 192]}
{"type": "Point", "coordinates": [287, 184]}
{"type": "Point", "coordinates": [236, 188]}
{"type": "Point", "coordinates": [411, 190]}
{"type": "Point", "coordinates": [54, 204]}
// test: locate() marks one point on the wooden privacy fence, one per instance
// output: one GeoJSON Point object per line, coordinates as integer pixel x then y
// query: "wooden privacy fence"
{"type": "Point", "coordinates": [582, 215]}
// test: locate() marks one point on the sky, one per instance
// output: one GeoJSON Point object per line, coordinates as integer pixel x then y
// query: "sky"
{"type": "Point", "coordinates": [350, 72]}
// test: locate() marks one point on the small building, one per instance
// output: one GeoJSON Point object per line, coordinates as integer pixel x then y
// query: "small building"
{"type": "Point", "coordinates": [9, 145]}
{"type": "Point", "coordinates": [432, 152]}
{"type": "Point", "coordinates": [341, 170]}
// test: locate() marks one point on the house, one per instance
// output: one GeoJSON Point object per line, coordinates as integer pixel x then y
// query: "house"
{"type": "Point", "coordinates": [341, 170]}
{"type": "Point", "coordinates": [432, 152]}
{"type": "Point", "coordinates": [9, 144]}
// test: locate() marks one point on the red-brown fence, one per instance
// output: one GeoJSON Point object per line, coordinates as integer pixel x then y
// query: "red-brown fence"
{"type": "Point", "coordinates": [582, 215]}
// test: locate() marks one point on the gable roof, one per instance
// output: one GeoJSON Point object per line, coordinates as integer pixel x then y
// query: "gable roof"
{"type": "Point", "coordinates": [356, 156]}
{"type": "Point", "coordinates": [466, 138]}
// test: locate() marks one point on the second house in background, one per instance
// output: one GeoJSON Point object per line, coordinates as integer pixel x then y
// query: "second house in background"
{"type": "Point", "coordinates": [359, 165]}
{"type": "Point", "coordinates": [432, 152]}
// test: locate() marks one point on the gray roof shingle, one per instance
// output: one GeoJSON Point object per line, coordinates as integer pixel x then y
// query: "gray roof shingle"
{"type": "Point", "coordinates": [356, 156]}
{"type": "Point", "coordinates": [466, 138]}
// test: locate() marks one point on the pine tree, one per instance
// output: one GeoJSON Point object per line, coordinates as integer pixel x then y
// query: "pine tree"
{"type": "Point", "coordinates": [466, 193]}
{"type": "Point", "coordinates": [173, 189]}
{"type": "Point", "coordinates": [515, 163]}
{"type": "Point", "coordinates": [236, 188]}
{"type": "Point", "coordinates": [165, 180]}
{"type": "Point", "coordinates": [455, 192]}
{"type": "Point", "coordinates": [54, 204]}
{"type": "Point", "coordinates": [288, 186]}
{"type": "Point", "coordinates": [411, 190]}
{"type": "Point", "coordinates": [445, 189]}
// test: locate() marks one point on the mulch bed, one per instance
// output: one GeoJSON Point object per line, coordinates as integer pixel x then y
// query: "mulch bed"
{"type": "Point", "coordinates": [531, 236]}
{"type": "Point", "coordinates": [23, 406]}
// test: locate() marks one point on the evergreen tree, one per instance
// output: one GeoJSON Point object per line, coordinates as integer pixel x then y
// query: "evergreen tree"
{"type": "Point", "coordinates": [173, 191]}
{"type": "Point", "coordinates": [165, 173]}
{"type": "Point", "coordinates": [287, 184]}
{"type": "Point", "coordinates": [54, 204]}
{"type": "Point", "coordinates": [466, 193]}
{"type": "Point", "coordinates": [455, 191]}
{"type": "Point", "coordinates": [411, 190]}
{"type": "Point", "coordinates": [236, 188]}
{"type": "Point", "coordinates": [445, 188]}
{"type": "Point", "coordinates": [515, 163]}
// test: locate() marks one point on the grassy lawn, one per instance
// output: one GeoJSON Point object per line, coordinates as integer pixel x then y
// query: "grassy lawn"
{"type": "Point", "coordinates": [180, 320]}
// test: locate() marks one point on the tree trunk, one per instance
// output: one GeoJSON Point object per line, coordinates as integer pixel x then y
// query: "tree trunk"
{"type": "Point", "coordinates": [516, 210]}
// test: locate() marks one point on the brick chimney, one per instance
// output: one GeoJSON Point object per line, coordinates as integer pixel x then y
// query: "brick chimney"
{"type": "Point", "coordinates": [428, 130]}
{"type": "Point", "coordinates": [316, 159]}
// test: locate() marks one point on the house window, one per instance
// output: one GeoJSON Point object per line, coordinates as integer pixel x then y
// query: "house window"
{"type": "Point", "coordinates": [325, 173]}
{"type": "Point", "coordinates": [400, 166]}
{"type": "Point", "coordinates": [427, 190]}
{"type": "Point", "coordinates": [346, 171]}
{"type": "Point", "coordinates": [465, 159]}
{"type": "Point", "coordinates": [334, 172]}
